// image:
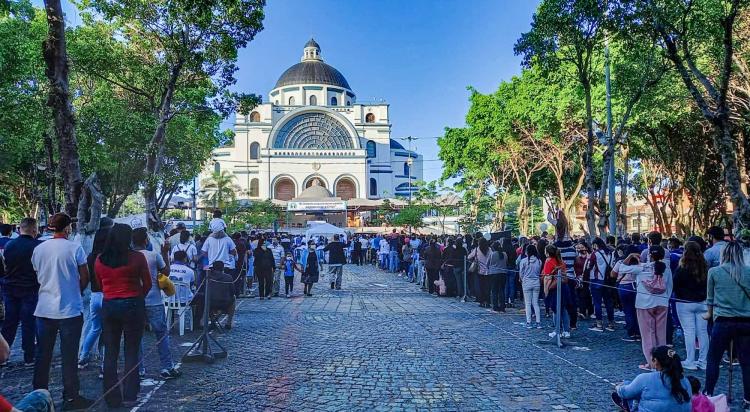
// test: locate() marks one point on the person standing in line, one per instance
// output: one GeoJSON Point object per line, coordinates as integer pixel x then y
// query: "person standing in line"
{"type": "Point", "coordinates": [512, 275]}
{"type": "Point", "coordinates": [357, 252]}
{"type": "Point", "coordinates": [407, 253]}
{"type": "Point", "coordinates": [124, 278]}
{"type": "Point", "coordinates": [60, 265]}
{"type": "Point", "coordinates": [554, 274]}
{"type": "Point", "coordinates": [310, 268]}
{"type": "Point", "coordinates": [265, 264]}
{"type": "Point", "coordinates": [94, 332]}
{"type": "Point", "coordinates": [482, 256]}
{"type": "Point", "coordinates": [336, 261]}
{"type": "Point", "coordinates": [394, 247]}
{"type": "Point", "coordinates": [155, 316]}
{"type": "Point", "coordinates": [432, 262]}
{"type": "Point", "coordinates": [530, 269]}
{"type": "Point", "coordinates": [690, 284]}
{"type": "Point", "coordinates": [21, 289]}
{"type": "Point", "coordinates": [713, 254]}
{"type": "Point", "coordinates": [600, 263]}
{"type": "Point", "coordinates": [728, 300]}
{"type": "Point", "coordinates": [278, 256]}
{"type": "Point", "coordinates": [288, 268]}
{"type": "Point", "coordinates": [498, 269]}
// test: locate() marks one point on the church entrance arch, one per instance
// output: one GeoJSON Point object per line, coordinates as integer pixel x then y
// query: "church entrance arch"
{"type": "Point", "coordinates": [346, 189]}
{"type": "Point", "coordinates": [315, 179]}
{"type": "Point", "coordinates": [284, 189]}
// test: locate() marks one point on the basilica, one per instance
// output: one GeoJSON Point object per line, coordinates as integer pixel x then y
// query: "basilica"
{"type": "Point", "coordinates": [313, 132]}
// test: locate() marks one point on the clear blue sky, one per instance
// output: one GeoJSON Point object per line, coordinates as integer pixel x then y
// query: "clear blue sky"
{"type": "Point", "coordinates": [418, 55]}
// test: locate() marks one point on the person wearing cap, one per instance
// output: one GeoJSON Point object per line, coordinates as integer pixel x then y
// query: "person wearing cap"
{"type": "Point", "coordinates": [336, 261]}
{"type": "Point", "coordinates": [175, 239]}
{"type": "Point", "coordinates": [60, 265]}
{"type": "Point", "coordinates": [712, 255]}
{"type": "Point", "coordinates": [21, 289]}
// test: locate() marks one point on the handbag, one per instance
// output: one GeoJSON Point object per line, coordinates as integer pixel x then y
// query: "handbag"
{"type": "Point", "coordinates": [166, 285]}
{"type": "Point", "coordinates": [474, 267]}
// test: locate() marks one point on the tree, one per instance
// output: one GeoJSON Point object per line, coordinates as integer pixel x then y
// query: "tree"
{"type": "Point", "coordinates": [220, 189]}
{"type": "Point", "coordinates": [698, 39]}
{"type": "Point", "coordinates": [260, 214]}
{"type": "Point", "coordinates": [59, 100]}
{"type": "Point", "coordinates": [186, 47]}
{"type": "Point", "coordinates": [410, 216]}
{"type": "Point", "coordinates": [571, 32]}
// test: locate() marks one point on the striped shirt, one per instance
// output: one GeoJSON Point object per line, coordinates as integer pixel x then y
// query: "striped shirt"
{"type": "Point", "coordinates": [568, 254]}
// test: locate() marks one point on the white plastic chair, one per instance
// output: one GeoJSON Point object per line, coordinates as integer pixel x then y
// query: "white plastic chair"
{"type": "Point", "coordinates": [172, 304]}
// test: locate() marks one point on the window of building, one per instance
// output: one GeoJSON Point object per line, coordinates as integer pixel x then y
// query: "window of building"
{"type": "Point", "coordinates": [254, 150]}
{"type": "Point", "coordinates": [254, 187]}
{"type": "Point", "coordinates": [217, 167]}
{"type": "Point", "coordinates": [370, 118]}
{"type": "Point", "coordinates": [348, 102]}
{"type": "Point", "coordinates": [255, 117]}
{"type": "Point", "coordinates": [372, 149]}
{"type": "Point", "coordinates": [276, 102]}
{"type": "Point", "coordinates": [407, 169]}
{"type": "Point", "coordinates": [313, 100]}
{"type": "Point", "coordinates": [334, 101]}
{"type": "Point", "coordinates": [373, 187]}
{"type": "Point", "coordinates": [291, 101]}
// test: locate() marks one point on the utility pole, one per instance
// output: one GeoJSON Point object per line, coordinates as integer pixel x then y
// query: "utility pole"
{"type": "Point", "coordinates": [611, 148]}
{"type": "Point", "coordinates": [409, 162]}
{"type": "Point", "coordinates": [193, 206]}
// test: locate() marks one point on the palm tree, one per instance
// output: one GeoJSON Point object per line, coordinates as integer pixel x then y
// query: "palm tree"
{"type": "Point", "coordinates": [219, 189]}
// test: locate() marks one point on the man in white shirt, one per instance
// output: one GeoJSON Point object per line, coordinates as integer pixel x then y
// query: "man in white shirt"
{"type": "Point", "coordinates": [174, 240]}
{"type": "Point", "coordinates": [278, 254]}
{"type": "Point", "coordinates": [62, 274]}
{"type": "Point", "coordinates": [180, 271]}
{"type": "Point", "coordinates": [219, 246]}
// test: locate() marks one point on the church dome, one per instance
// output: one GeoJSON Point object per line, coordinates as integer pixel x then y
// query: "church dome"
{"type": "Point", "coordinates": [316, 191]}
{"type": "Point", "coordinates": [312, 70]}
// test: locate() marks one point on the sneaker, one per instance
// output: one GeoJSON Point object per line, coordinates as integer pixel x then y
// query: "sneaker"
{"type": "Point", "coordinates": [566, 335]}
{"type": "Point", "coordinates": [28, 364]}
{"type": "Point", "coordinates": [167, 374]}
{"type": "Point", "coordinates": [77, 403]}
{"type": "Point", "coordinates": [631, 339]}
{"type": "Point", "coordinates": [538, 325]}
{"type": "Point", "coordinates": [528, 325]}
{"type": "Point", "coordinates": [610, 327]}
{"type": "Point", "coordinates": [691, 366]}
{"type": "Point", "coordinates": [552, 334]}
{"type": "Point", "coordinates": [82, 364]}
{"type": "Point", "coordinates": [597, 329]}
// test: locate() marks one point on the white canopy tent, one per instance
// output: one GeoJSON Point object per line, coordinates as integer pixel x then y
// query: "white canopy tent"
{"type": "Point", "coordinates": [324, 229]}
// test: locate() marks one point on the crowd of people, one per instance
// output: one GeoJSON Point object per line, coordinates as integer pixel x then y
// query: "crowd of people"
{"type": "Point", "coordinates": [699, 288]}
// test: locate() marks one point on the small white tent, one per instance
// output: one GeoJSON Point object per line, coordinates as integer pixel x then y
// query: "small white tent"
{"type": "Point", "coordinates": [325, 229]}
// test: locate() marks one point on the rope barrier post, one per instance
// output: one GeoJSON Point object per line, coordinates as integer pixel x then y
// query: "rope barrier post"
{"type": "Point", "coordinates": [558, 310]}
{"type": "Point", "coordinates": [201, 348]}
{"type": "Point", "coordinates": [466, 275]}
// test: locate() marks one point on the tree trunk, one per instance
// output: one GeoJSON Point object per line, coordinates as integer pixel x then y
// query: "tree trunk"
{"type": "Point", "coordinates": [588, 161]}
{"type": "Point", "coordinates": [56, 60]}
{"type": "Point", "coordinates": [725, 146]}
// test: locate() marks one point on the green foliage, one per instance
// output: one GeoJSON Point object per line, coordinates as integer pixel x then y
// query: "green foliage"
{"type": "Point", "coordinates": [219, 190]}
{"type": "Point", "coordinates": [410, 216]}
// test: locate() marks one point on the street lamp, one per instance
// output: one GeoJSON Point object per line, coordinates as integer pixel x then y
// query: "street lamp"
{"type": "Point", "coordinates": [606, 139]}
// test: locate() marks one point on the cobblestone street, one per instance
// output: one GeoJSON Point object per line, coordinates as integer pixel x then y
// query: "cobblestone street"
{"type": "Point", "coordinates": [382, 344]}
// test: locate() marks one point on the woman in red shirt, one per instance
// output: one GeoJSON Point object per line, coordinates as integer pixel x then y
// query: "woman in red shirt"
{"type": "Point", "coordinates": [125, 280]}
{"type": "Point", "coordinates": [552, 266]}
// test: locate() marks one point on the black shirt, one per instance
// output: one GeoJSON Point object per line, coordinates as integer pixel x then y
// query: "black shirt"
{"type": "Point", "coordinates": [686, 287]}
{"type": "Point", "coordinates": [20, 277]}
{"type": "Point", "coordinates": [336, 254]}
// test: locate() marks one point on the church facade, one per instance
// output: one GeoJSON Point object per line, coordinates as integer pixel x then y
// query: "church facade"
{"type": "Point", "coordinates": [312, 131]}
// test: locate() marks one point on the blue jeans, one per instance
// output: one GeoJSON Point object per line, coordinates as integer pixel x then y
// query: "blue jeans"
{"type": "Point", "coordinates": [458, 273]}
{"type": "Point", "coordinates": [510, 287]}
{"type": "Point", "coordinates": [564, 317]}
{"type": "Point", "coordinates": [627, 299]}
{"type": "Point", "coordinates": [156, 317]}
{"type": "Point", "coordinates": [70, 334]}
{"type": "Point", "coordinates": [19, 308]}
{"type": "Point", "coordinates": [393, 261]}
{"type": "Point", "coordinates": [599, 293]}
{"type": "Point", "coordinates": [94, 331]}
{"type": "Point", "coordinates": [38, 401]}
{"type": "Point", "coordinates": [724, 331]}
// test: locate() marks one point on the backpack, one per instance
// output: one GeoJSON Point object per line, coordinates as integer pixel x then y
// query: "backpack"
{"type": "Point", "coordinates": [608, 279]}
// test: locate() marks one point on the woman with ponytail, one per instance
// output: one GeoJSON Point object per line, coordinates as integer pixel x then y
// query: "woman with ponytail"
{"type": "Point", "coordinates": [728, 300]}
{"type": "Point", "coordinates": [666, 389]}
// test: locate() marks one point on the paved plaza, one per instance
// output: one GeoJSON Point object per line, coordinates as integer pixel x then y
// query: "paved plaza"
{"type": "Point", "coordinates": [382, 344]}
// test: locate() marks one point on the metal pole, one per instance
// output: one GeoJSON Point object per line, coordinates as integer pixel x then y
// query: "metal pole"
{"type": "Point", "coordinates": [193, 208]}
{"type": "Point", "coordinates": [463, 298]}
{"type": "Point", "coordinates": [558, 309]}
{"type": "Point", "coordinates": [611, 171]}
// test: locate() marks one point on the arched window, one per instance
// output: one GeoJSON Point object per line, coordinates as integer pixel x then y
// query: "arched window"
{"type": "Point", "coordinates": [255, 117]}
{"type": "Point", "coordinates": [372, 149]}
{"type": "Point", "coordinates": [373, 187]}
{"type": "Point", "coordinates": [291, 101]}
{"type": "Point", "coordinates": [217, 167]}
{"type": "Point", "coordinates": [370, 118]}
{"type": "Point", "coordinates": [407, 169]}
{"type": "Point", "coordinates": [276, 102]}
{"type": "Point", "coordinates": [313, 100]}
{"type": "Point", "coordinates": [254, 187]}
{"type": "Point", "coordinates": [348, 102]}
{"type": "Point", "coordinates": [334, 101]}
{"type": "Point", "coordinates": [254, 150]}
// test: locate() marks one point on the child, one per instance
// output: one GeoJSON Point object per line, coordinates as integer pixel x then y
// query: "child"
{"type": "Point", "coordinates": [700, 402]}
{"type": "Point", "coordinates": [289, 274]}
